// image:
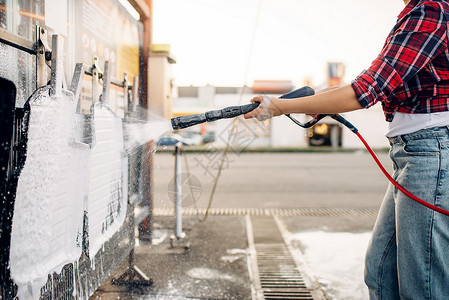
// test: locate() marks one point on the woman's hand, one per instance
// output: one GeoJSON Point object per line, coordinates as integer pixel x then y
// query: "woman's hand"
{"type": "Point", "coordinates": [329, 101]}
{"type": "Point", "coordinates": [269, 107]}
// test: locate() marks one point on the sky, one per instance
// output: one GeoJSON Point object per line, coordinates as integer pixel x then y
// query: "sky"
{"type": "Point", "coordinates": [234, 42]}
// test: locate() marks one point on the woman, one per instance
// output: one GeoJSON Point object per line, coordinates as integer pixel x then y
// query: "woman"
{"type": "Point", "coordinates": [407, 257]}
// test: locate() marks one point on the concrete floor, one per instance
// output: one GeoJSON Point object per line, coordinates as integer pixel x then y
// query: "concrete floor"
{"type": "Point", "coordinates": [217, 264]}
{"type": "Point", "coordinates": [279, 180]}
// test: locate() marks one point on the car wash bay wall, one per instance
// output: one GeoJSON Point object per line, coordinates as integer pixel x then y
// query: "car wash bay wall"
{"type": "Point", "coordinates": [94, 32]}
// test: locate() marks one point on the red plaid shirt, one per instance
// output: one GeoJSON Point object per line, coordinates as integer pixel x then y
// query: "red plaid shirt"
{"type": "Point", "coordinates": [411, 74]}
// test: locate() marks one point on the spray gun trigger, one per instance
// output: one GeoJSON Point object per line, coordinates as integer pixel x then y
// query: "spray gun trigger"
{"type": "Point", "coordinates": [308, 124]}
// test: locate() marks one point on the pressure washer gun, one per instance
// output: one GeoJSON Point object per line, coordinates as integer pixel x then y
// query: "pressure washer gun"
{"type": "Point", "coordinates": [234, 111]}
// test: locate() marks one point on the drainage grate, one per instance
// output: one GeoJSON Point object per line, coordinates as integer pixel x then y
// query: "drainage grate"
{"type": "Point", "coordinates": [284, 212]}
{"type": "Point", "coordinates": [279, 275]}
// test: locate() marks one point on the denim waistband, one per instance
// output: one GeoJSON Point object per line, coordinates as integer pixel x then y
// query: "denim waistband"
{"type": "Point", "coordinates": [420, 134]}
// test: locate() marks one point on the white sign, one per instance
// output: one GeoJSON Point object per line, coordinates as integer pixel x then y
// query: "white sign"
{"type": "Point", "coordinates": [56, 15]}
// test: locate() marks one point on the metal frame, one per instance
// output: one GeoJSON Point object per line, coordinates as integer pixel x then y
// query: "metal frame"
{"type": "Point", "coordinates": [43, 54]}
{"type": "Point", "coordinates": [17, 41]}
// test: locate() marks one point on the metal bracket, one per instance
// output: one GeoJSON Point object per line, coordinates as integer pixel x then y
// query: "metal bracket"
{"type": "Point", "coordinates": [104, 97]}
{"type": "Point", "coordinates": [135, 95]}
{"type": "Point", "coordinates": [125, 94]}
{"type": "Point", "coordinates": [43, 54]}
{"type": "Point", "coordinates": [133, 276]}
{"type": "Point", "coordinates": [96, 75]}
{"type": "Point", "coordinates": [42, 38]}
{"type": "Point", "coordinates": [75, 86]}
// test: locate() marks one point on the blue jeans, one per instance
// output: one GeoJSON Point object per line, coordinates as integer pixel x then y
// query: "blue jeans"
{"type": "Point", "coordinates": [408, 255]}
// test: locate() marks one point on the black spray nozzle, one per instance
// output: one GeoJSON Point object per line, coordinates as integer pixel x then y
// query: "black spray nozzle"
{"type": "Point", "coordinates": [231, 111]}
{"type": "Point", "coordinates": [213, 115]}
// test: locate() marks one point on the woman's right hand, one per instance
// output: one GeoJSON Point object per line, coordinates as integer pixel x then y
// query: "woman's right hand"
{"type": "Point", "coordinates": [269, 107]}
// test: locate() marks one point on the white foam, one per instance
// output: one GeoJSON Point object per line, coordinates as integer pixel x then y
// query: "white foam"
{"type": "Point", "coordinates": [206, 273]}
{"type": "Point", "coordinates": [108, 180]}
{"type": "Point", "coordinates": [337, 262]}
{"type": "Point", "coordinates": [47, 221]}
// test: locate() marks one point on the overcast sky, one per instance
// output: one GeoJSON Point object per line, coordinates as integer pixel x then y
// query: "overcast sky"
{"type": "Point", "coordinates": [293, 39]}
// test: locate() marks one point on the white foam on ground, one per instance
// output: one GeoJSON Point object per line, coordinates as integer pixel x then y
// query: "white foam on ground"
{"type": "Point", "coordinates": [337, 262]}
{"type": "Point", "coordinates": [206, 273]}
{"type": "Point", "coordinates": [234, 254]}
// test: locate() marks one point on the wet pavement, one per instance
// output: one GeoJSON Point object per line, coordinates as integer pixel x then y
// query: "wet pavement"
{"type": "Point", "coordinates": [213, 267]}
{"type": "Point", "coordinates": [217, 264]}
{"type": "Point", "coordinates": [222, 260]}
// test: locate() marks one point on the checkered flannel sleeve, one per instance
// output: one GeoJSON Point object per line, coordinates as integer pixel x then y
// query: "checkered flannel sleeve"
{"type": "Point", "coordinates": [415, 40]}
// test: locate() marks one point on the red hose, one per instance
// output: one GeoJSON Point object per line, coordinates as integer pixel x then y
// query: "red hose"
{"type": "Point", "coordinates": [420, 201]}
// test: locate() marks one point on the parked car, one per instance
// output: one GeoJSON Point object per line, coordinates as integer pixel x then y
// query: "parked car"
{"type": "Point", "coordinates": [209, 137]}
{"type": "Point", "coordinates": [170, 140]}
{"type": "Point", "coordinates": [192, 138]}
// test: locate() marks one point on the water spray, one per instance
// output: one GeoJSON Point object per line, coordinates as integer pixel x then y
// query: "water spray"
{"type": "Point", "coordinates": [234, 111]}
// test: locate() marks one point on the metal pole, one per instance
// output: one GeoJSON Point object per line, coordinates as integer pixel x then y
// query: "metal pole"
{"type": "Point", "coordinates": [334, 136]}
{"type": "Point", "coordinates": [178, 191]}
{"type": "Point", "coordinates": [57, 65]}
